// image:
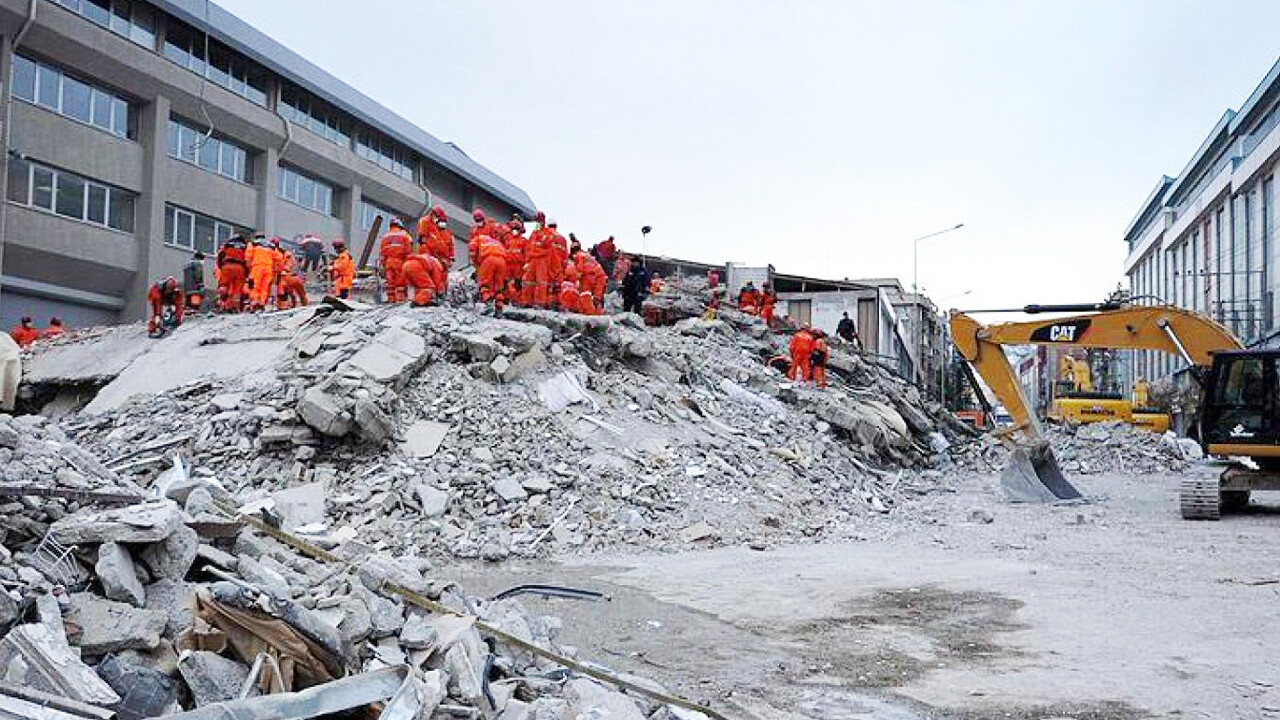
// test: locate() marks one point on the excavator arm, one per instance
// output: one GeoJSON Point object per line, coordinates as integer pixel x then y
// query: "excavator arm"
{"type": "Point", "coordinates": [1192, 337]}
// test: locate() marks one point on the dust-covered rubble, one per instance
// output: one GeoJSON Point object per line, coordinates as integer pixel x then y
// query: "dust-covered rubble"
{"type": "Point", "coordinates": [1109, 447]}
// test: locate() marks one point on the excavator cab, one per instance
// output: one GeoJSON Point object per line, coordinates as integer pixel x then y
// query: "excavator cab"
{"type": "Point", "coordinates": [1241, 408]}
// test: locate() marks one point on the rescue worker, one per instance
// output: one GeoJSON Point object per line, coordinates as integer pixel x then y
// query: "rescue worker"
{"type": "Point", "coordinates": [536, 279]}
{"type": "Point", "coordinates": [591, 277]}
{"type": "Point", "coordinates": [312, 254]}
{"type": "Point", "coordinates": [768, 299]}
{"type": "Point", "coordinates": [749, 299]}
{"type": "Point", "coordinates": [55, 329]}
{"type": "Point", "coordinates": [480, 227]}
{"type": "Point", "coordinates": [587, 303]}
{"type": "Point", "coordinates": [713, 279]}
{"type": "Point", "coordinates": [517, 247]}
{"type": "Point", "coordinates": [492, 274]}
{"type": "Point", "coordinates": [232, 272]}
{"type": "Point", "coordinates": [559, 254]}
{"type": "Point", "coordinates": [434, 238]}
{"type": "Point", "coordinates": [801, 349]}
{"type": "Point", "coordinates": [655, 285]}
{"type": "Point", "coordinates": [343, 270]}
{"type": "Point", "coordinates": [568, 297]}
{"type": "Point", "coordinates": [846, 331]}
{"type": "Point", "coordinates": [621, 267]}
{"type": "Point", "coordinates": [167, 307]}
{"type": "Point", "coordinates": [193, 282]}
{"type": "Point", "coordinates": [425, 275]}
{"type": "Point", "coordinates": [818, 358]}
{"type": "Point", "coordinates": [395, 247]}
{"type": "Point", "coordinates": [635, 287]}
{"type": "Point", "coordinates": [291, 288]}
{"type": "Point", "coordinates": [24, 333]}
{"type": "Point", "coordinates": [606, 253]}
{"type": "Point", "coordinates": [262, 271]}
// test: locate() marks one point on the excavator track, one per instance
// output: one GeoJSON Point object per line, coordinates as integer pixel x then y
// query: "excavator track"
{"type": "Point", "coordinates": [1201, 499]}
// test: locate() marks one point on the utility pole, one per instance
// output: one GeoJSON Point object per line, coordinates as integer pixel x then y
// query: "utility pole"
{"type": "Point", "coordinates": [918, 321]}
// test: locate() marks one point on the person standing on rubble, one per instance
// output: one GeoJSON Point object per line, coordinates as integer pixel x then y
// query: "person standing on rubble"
{"type": "Point", "coordinates": [635, 287]}
{"type": "Point", "coordinates": [713, 280]}
{"type": "Point", "coordinates": [312, 255]}
{"type": "Point", "coordinates": [342, 270]}
{"type": "Point", "coordinates": [536, 282]}
{"type": "Point", "coordinates": [801, 349]}
{"type": "Point", "coordinates": [24, 333]}
{"type": "Point", "coordinates": [232, 272]}
{"type": "Point", "coordinates": [818, 358]}
{"type": "Point", "coordinates": [768, 299]}
{"type": "Point", "coordinates": [394, 248]}
{"type": "Point", "coordinates": [847, 331]}
{"type": "Point", "coordinates": [749, 299]}
{"type": "Point", "coordinates": [167, 307]}
{"type": "Point", "coordinates": [262, 269]}
{"type": "Point", "coordinates": [492, 274]}
{"type": "Point", "coordinates": [55, 329]}
{"type": "Point", "coordinates": [517, 247]}
{"type": "Point", "coordinates": [193, 282]}
{"type": "Point", "coordinates": [480, 227]}
{"type": "Point", "coordinates": [606, 253]}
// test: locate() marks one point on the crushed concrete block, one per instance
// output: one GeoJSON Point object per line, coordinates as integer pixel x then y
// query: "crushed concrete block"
{"type": "Point", "coordinates": [434, 502]}
{"type": "Point", "coordinates": [145, 692]}
{"type": "Point", "coordinates": [382, 363]}
{"type": "Point", "coordinates": [276, 435]}
{"type": "Point", "coordinates": [697, 531]}
{"type": "Point", "coordinates": [199, 500]}
{"type": "Point", "coordinates": [588, 698]}
{"type": "Point", "coordinates": [356, 624]}
{"type": "Point", "coordinates": [387, 616]}
{"type": "Point", "coordinates": [324, 412]}
{"type": "Point", "coordinates": [211, 677]}
{"type": "Point", "coordinates": [537, 484]}
{"type": "Point", "coordinates": [175, 599]}
{"type": "Point", "coordinates": [301, 505]}
{"type": "Point", "coordinates": [143, 523]}
{"type": "Point", "coordinates": [227, 402]}
{"type": "Point", "coordinates": [109, 626]}
{"type": "Point", "coordinates": [172, 557]}
{"type": "Point", "coordinates": [508, 489]}
{"type": "Point", "coordinates": [8, 436]}
{"type": "Point", "coordinates": [482, 454]}
{"type": "Point", "coordinates": [402, 341]}
{"type": "Point", "coordinates": [417, 633]}
{"type": "Point", "coordinates": [119, 577]}
{"type": "Point", "coordinates": [423, 438]}
{"type": "Point", "coordinates": [38, 657]}
{"type": "Point", "coordinates": [255, 573]}
{"type": "Point", "coordinates": [374, 424]}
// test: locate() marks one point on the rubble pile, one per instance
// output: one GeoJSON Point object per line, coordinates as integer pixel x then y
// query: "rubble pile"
{"type": "Point", "coordinates": [1109, 447]}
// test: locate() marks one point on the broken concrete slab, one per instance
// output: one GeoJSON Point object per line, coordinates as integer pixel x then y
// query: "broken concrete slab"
{"type": "Point", "coordinates": [509, 490]}
{"type": "Point", "coordinates": [143, 523]}
{"type": "Point", "coordinates": [109, 626]}
{"type": "Point", "coordinates": [318, 701]}
{"type": "Point", "coordinates": [423, 438]}
{"type": "Point", "coordinates": [417, 633]}
{"type": "Point", "coordinates": [324, 412]}
{"type": "Point", "coordinates": [588, 698]}
{"type": "Point", "coordinates": [119, 577]}
{"type": "Point", "coordinates": [211, 677]}
{"type": "Point", "coordinates": [374, 424]}
{"type": "Point", "coordinates": [145, 692]}
{"type": "Point", "coordinates": [301, 505]}
{"type": "Point", "coordinates": [174, 598]}
{"type": "Point", "coordinates": [37, 657]}
{"type": "Point", "coordinates": [382, 363]}
{"type": "Point", "coordinates": [171, 558]}
{"type": "Point", "coordinates": [434, 502]}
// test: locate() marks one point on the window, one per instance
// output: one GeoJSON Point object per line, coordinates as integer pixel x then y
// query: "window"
{"type": "Point", "coordinates": [45, 85]}
{"type": "Point", "coordinates": [314, 114]}
{"type": "Point", "coordinates": [187, 47]}
{"type": "Point", "coordinates": [69, 195]}
{"type": "Point", "coordinates": [190, 144]}
{"type": "Point", "coordinates": [133, 20]}
{"type": "Point", "coordinates": [386, 153]}
{"type": "Point", "coordinates": [306, 191]}
{"type": "Point", "coordinates": [192, 231]}
{"type": "Point", "coordinates": [369, 211]}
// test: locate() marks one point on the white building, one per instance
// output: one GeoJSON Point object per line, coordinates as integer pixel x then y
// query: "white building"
{"type": "Point", "coordinates": [1206, 240]}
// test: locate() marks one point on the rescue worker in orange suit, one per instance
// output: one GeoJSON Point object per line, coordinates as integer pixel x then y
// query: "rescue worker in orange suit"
{"type": "Point", "coordinates": [768, 299]}
{"type": "Point", "coordinates": [291, 289]}
{"type": "Point", "coordinates": [233, 270]}
{"type": "Point", "coordinates": [569, 295]}
{"type": "Point", "coordinates": [559, 254]}
{"type": "Point", "coordinates": [713, 279]}
{"type": "Point", "coordinates": [24, 333]}
{"type": "Point", "coordinates": [426, 277]}
{"type": "Point", "coordinates": [434, 238]}
{"type": "Point", "coordinates": [591, 276]}
{"type": "Point", "coordinates": [480, 227]}
{"type": "Point", "coordinates": [801, 348]}
{"type": "Point", "coordinates": [587, 303]}
{"type": "Point", "coordinates": [165, 295]}
{"type": "Point", "coordinates": [749, 299]}
{"type": "Point", "coordinates": [55, 329]}
{"type": "Point", "coordinates": [395, 248]}
{"type": "Point", "coordinates": [492, 274]}
{"type": "Point", "coordinates": [262, 271]}
{"type": "Point", "coordinates": [342, 270]}
{"type": "Point", "coordinates": [819, 357]}
{"type": "Point", "coordinates": [517, 246]}
{"type": "Point", "coordinates": [536, 282]}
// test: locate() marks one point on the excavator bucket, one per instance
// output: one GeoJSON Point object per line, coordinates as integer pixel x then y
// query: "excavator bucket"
{"type": "Point", "coordinates": [1033, 475]}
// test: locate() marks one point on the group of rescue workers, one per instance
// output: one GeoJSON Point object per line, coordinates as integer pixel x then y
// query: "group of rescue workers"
{"type": "Point", "coordinates": [25, 332]}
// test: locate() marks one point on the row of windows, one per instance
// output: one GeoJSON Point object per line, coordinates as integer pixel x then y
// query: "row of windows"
{"type": "Point", "coordinates": [369, 211]}
{"type": "Point", "coordinates": [223, 66]}
{"type": "Point", "coordinates": [314, 114]}
{"type": "Point", "coordinates": [69, 195]}
{"type": "Point", "coordinates": [48, 86]}
{"type": "Point", "coordinates": [385, 153]}
{"type": "Point", "coordinates": [306, 191]}
{"type": "Point", "coordinates": [190, 144]}
{"type": "Point", "coordinates": [133, 20]}
{"type": "Point", "coordinates": [192, 231]}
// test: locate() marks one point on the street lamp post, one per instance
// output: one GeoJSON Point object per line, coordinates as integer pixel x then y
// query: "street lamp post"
{"type": "Point", "coordinates": [915, 290]}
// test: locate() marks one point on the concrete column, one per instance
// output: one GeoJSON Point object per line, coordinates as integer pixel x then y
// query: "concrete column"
{"type": "Point", "coordinates": [267, 178]}
{"type": "Point", "coordinates": [351, 218]}
{"type": "Point", "coordinates": [149, 212]}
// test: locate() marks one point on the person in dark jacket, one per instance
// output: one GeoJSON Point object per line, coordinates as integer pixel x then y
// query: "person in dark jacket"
{"type": "Point", "coordinates": [635, 287]}
{"type": "Point", "coordinates": [846, 331]}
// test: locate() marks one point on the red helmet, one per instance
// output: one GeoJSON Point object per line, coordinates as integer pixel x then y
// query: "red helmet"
{"type": "Point", "coordinates": [477, 215]}
{"type": "Point", "coordinates": [438, 211]}
{"type": "Point", "coordinates": [540, 217]}
{"type": "Point", "coordinates": [170, 283]}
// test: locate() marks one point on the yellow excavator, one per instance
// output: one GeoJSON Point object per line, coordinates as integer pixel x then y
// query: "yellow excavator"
{"type": "Point", "coordinates": [1239, 412]}
{"type": "Point", "coordinates": [1076, 400]}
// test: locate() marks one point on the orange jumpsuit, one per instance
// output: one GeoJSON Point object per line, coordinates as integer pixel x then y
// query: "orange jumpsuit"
{"type": "Point", "coordinates": [488, 228]}
{"type": "Point", "coordinates": [426, 276]}
{"type": "Point", "coordinates": [767, 300]}
{"type": "Point", "coordinates": [344, 274]}
{"type": "Point", "coordinates": [493, 270]}
{"type": "Point", "coordinates": [53, 331]}
{"type": "Point", "coordinates": [517, 247]}
{"type": "Point", "coordinates": [591, 276]}
{"type": "Point", "coordinates": [568, 297]}
{"type": "Point", "coordinates": [818, 360]}
{"type": "Point", "coordinates": [159, 298]}
{"type": "Point", "coordinates": [801, 348]}
{"type": "Point", "coordinates": [262, 268]}
{"type": "Point", "coordinates": [749, 300]}
{"type": "Point", "coordinates": [436, 242]}
{"type": "Point", "coordinates": [537, 269]}
{"type": "Point", "coordinates": [395, 247]}
{"type": "Point", "coordinates": [559, 255]}
{"type": "Point", "coordinates": [24, 336]}
{"type": "Point", "coordinates": [232, 270]}
{"type": "Point", "coordinates": [291, 292]}
{"type": "Point", "coordinates": [587, 303]}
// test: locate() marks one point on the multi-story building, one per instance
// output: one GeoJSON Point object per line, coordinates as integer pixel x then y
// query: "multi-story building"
{"type": "Point", "coordinates": [140, 131]}
{"type": "Point", "coordinates": [1206, 240]}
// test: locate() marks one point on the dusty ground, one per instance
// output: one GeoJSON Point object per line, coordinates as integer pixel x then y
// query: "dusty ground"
{"type": "Point", "coordinates": [1116, 609]}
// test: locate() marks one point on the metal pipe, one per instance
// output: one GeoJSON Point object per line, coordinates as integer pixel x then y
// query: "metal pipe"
{"type": "Point", "coordinates": [1163, 323]}
{"type": "Point", "coordinates": [8, 124]}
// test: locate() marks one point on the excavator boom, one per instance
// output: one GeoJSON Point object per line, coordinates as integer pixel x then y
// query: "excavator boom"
{"type": "Point", "coordinates": [1191, 336]}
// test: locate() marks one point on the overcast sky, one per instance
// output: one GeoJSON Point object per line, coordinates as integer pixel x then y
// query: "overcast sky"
{"type": "Point", "coordinates": [820, 137]}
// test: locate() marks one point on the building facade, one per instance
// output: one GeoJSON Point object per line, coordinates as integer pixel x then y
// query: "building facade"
{"type": "Point", "coordinates": [137, 132]}
{"type": "Point", "coordinates": [1206, 240]}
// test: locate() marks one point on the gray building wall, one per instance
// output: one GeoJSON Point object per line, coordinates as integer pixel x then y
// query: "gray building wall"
{"type": "Point", "coordinates": [87, 273]}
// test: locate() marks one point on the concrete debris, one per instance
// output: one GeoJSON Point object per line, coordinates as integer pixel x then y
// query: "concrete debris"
{"type": "Point", "coordinates": [422, 439]}
{"type": "Point", "coordinates": [211, 677]}
{"type": "Point", "coordinates": [36, 656]}
{"type": "Point", "coordinates": [1109, 447]}
{"type": "Point", "coordinates": [107, 626]}
{"type": "Point", "coordinates": [171, 558]}
{"type": "Point", "coordinates": [144, 692]}
{"type": "Point", "coordinates": [148, 523]}
{"type": "Point", "coordinates": [118, 575]}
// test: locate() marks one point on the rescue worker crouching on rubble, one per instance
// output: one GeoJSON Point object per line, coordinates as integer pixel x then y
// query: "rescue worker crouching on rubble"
{"type": "Point", "coordinates": [291, 288]}
{"type": "Point", "coordinates": [801, 349]}
{"type": "Point", "coordinates": [396, 247]}
{"type": "Point", "coordinates": [55, 329]}
{"type": "Point", "coordinates": [232, 272]}
{"type": "Point", "coordinates": [25, 333]}
{"type": "Point", "coordinates": [168, 307]}
{"type": "Point", "coordinates": [749, 299]}
{"type": "Point", "coordinates": [342, 271]}
{"type": "Point", "coordinates": [425, 275]}
{"type": "Point", "coordinates": [818, 358]}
